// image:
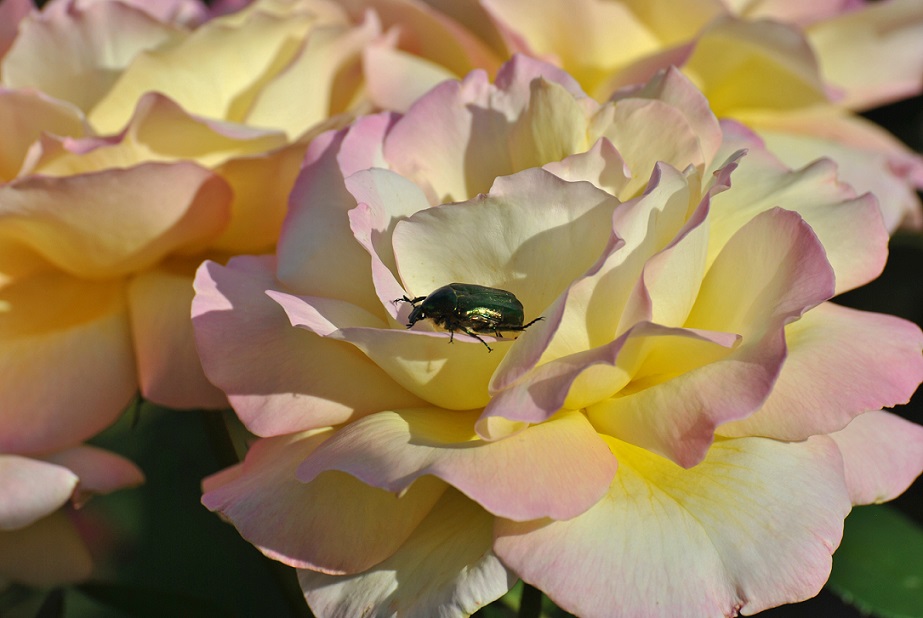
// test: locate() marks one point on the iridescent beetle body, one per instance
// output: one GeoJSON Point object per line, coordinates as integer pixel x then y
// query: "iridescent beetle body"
{"type": "Point", "coordinates": [471, 309]}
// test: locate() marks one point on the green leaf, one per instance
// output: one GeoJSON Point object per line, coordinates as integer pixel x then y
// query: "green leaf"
{"type": "Point", "coordinates": [879, 566]}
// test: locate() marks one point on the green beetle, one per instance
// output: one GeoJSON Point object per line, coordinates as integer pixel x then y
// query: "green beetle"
{"type": "Point", "coordinates": [471, 309]}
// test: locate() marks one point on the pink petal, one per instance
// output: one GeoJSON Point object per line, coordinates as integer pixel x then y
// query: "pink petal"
{"type": "Point", "coordinates": [396, 79]}
{"type": "Point", "coordinates": [50, 552]}
{"type": "Point", "coordinates": [64, 375]}
{"type": "Point", "coordinates": [883, 454]}
{"type": "Point", "coordinates": [317, 251]}
{"type": "Point", "coordinates": [12, 13]}
{"type": "Point", "coordinates": [751, 527]}
{"type": "Point", "coordinates": [445, 567]}
{"type": "Point", "coordinates": [335, 524]}
{"type": "Point", "coordinates": [556, 469]}
{"type": "Point", "coordinates": [31, 489]}
{"type": "Point", "coordinates": [279, 379]}
{"type": "Point", "coordinates": [116, 221]}
{"type": "Point", "coordinates": [841, 362]}
{"type": "Point", "coordinates": [168, 365]}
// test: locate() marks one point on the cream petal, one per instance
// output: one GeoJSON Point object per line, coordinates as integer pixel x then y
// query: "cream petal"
{"type": "Point", "coordinates": [31, 489]}
{"type": "Point", "coordinates": [445, 568]}
{"type": "Point", "coordinates": [396, 79]}
{"type": "Point", "coordinates": [335, 524]}
{"type": "Point", "coordinates": [77, 54]}
{"type": "Point", "coordinates": [751, 527]}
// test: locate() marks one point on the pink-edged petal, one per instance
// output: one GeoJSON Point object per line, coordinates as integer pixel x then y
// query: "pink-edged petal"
{"type": "Point", "coordinates": [169, 369]}
{"type": "Point", "coordinates": [317, 251]}
{"type": "Point", "coordinates": [67, 365]}
{"type": "Point", "coordinates": [850, 228]}
{"type": "Point", "coordinates": [882, 453]}
{"type": "Point", "coordinates": [751, 527]}
{"type": "Point", "coordinates": [279, 378]}
{"type": "Point", "coordinates": [24, 116]}
{"type": "Point", "coordinates": [335, 524]}
{"type": "Point", "coordinates": [793, 11]}
{"type": "Point", "coordinates": [874, 55]}
{"type": "Point", "coordinates": [445, 568]}
{"type": "Point", "coordinates": [556, 469]}
{"type": "Point", "coordinates": [50, 552]}
{"type": "Point", "coordinates": [76, 53]}
{"type": "Point", "coordinates": [768, 275]}
{"type": "Point", "coordinates": [100, 471]}
{"type": "Point", "coordinates": [868, 158]}
{"type": "Point", "coordinates": [601, 165]}
{"type": "Point", "coordinates": [116, 221]}
{"type": "Point", "coordinates": [421, 362]}
{"type": "Point", "coordinates": [841, 362]}
{"type": "Point", "coordinates": [31, 489]}
{"type": "Point", "coordinates": [508, 239]}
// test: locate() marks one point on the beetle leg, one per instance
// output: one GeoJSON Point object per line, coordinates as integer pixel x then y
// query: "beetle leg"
{"type": "Point", "coordinates": [531, 323]}
{"type": "Point", "coordinates": [412, 301]}
{"type": "Point", "coordinates": [468, 331]}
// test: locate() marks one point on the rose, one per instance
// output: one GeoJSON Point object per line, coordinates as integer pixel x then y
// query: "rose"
{"type": "Point", "coordinates": [38, 544]}
{"type": "Point", "coordinates": [793, 82]}
{"type": "Point", "coordinates": [685, 430]}
{"type": "Point", "coordinates": [136, 145]}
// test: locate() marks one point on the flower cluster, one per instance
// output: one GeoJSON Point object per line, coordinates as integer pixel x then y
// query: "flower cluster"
{"type": "Point", "coordinates": [649, 403]}
{"type": "Point", "coordinates": [689, 395]}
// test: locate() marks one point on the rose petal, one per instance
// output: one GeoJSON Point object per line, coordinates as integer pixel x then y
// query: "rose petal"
{"type": "Point", "coordinates": [94, 42]}
{"type": "Point", "coordinates": [874, 55]}
{"type": "Point", "coordinates": [279, 379]}
{"type": "Point", "coordinates": [100, 471]}
{"type": "Point", "coordinates": [750, 527]}
{"type": "Point", "coordinates": [444, 568]}
{"type": "Point", "coordinates": [556, 469]}
{"type": "Point", "coordinates": [12, 12]}
{"type": "Point", "coordinates": [31, 489]}
{"type": "Point", "coordinates": [841, 362]}
{"type": "Point", "coordinates": [168, 365]}
{"type": "Point", "coordinates": [396, 79]}
{"type": "Point", "coordinates": [50, 552]}
{"type": "Point", "coordinates": [293, 522]}
{"type": "Point", "coordinates": [116, 221]}
{"type": "Point", "coordinates": [882, 453]}
{"type": "Point", "coordinates": [67, 366]}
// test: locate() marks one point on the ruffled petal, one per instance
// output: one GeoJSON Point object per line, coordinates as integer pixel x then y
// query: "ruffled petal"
{"type": "Point", "coordinates": [445, 568]}
{"type": "Point", "coordinates": [882, 453]}
{"type": "Point", "coordinates": [115, 221]}
{"type": "Point", "coordinates": [557, 469]}
{"type": "Point", "coordinates": [279, 379]}
{"type": "Point", "coordinates": [93, 42]}
{"type": "Point", "coordinates": [841, 362]}
{"type": "Point", "coordinates": [753, 526]}
{"type": "Point", "coordinates": [293, 522]}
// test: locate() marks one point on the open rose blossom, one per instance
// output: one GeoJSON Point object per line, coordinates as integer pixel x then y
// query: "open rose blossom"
{"type": "Point", "coordinates": [793, 71]}
{"type": "Point", "coordinates": [38, 544]}
{"type": "Point", "coordinates": [682, 434]}
{"type": "Point", "coordinates": [139, 138]}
